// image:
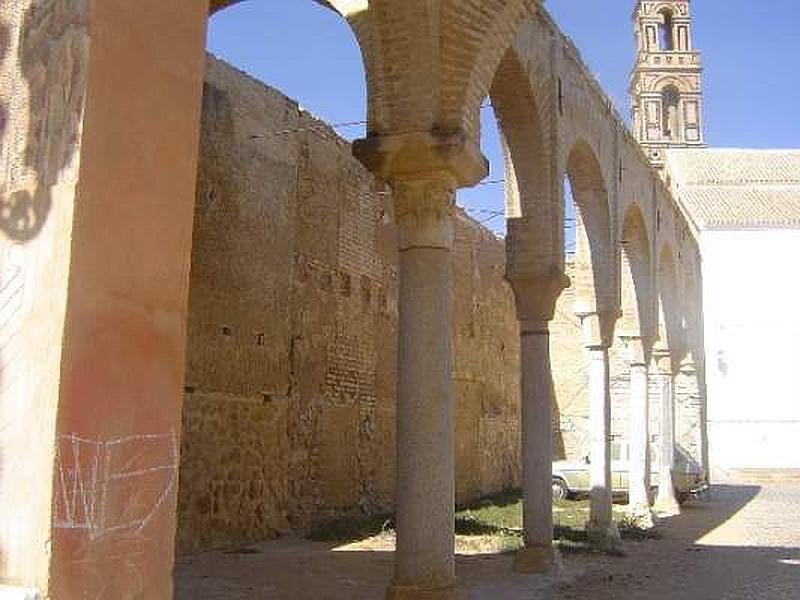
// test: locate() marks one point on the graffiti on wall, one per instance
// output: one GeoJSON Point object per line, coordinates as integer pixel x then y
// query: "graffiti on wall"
{"type": "Point", "coordinates": [113, 486]}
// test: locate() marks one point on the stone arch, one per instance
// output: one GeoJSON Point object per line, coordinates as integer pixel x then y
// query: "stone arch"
{"type": "Point", "coordinates": [595, 274]}
{"type": "Point", "coordinates": [638, 318]}
{"type": "Point", "coordinates": [352, 12]}
{"type": "Point", "coordinates": [530, 192]}
{"type": "Point", "coordinates": [430, 68]}
{"type": "Point", "coordinates": [502, 19]}
{"type": "Point", "coordinates": [666, 81]}
{"type": "Point", "coordinates": [343, 7]}
{"type": "Point", "coordinates": [671, 311]}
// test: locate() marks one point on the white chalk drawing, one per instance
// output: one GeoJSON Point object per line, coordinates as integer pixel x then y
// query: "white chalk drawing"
{"type": "Point", "coordinates": [12, 293]}
{"type": "Point", "coordinates": [105, 487]}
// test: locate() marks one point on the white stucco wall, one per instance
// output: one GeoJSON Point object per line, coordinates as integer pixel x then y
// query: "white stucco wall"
{"type": "Point", "coordinates": [751, 303]}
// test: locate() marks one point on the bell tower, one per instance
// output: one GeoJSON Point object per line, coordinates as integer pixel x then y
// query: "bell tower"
{"type": "Point", "coordinates": [666, 82]}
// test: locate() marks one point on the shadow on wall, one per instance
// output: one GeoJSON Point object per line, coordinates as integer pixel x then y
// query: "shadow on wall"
{"type": "Point", "coordinates": [52, 49]}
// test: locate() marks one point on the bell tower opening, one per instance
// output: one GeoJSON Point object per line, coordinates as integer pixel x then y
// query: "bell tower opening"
{"type": "Point", "coordinates": [666, 34]}
{"type": "Point", "coordinates": [666, 81]}
{"type": "Point", "coordinates": [670, 101]}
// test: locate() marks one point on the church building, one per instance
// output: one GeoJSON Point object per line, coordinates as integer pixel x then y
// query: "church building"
{"type": "Point", "coordinates": [744, 208]}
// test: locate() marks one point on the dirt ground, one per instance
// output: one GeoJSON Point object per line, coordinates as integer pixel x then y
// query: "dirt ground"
{"type": "Point", "coordinates": [743, 543]}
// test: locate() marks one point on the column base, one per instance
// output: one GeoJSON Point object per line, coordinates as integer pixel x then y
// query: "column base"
{"type": "Point", "coordinates": [605, 538]}
{"type": "Point", "coordinates": [642, 516]}
{"type": "Point", "coordinates": [667, 507]}
{"type": "Point", "coordinates": [412, 592]}
{"type": "Point", "coordinates": [536, 560]}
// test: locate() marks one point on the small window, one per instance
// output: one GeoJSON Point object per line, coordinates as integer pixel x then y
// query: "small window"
{"type": "Point", "coordinates": [666, 31]}
{"type": "Point", "coordinates": [670, 101]}
{"type": "Point", "coordinates": [616, 451]}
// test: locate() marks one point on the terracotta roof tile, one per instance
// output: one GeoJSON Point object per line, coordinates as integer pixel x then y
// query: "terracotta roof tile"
{"type": "Point", "coordinates": [722, 188]}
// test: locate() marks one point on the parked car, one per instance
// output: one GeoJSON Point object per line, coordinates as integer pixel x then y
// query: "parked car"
{"type": "Point", "coordinates": [571, 478]}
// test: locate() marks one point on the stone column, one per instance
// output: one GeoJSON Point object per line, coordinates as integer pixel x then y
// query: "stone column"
{"type": "Point", "coordinates": [690, 414]}
{"type": "Point", "coordinates": [601, 529]}
{"type": "Point", "coordinates": [666, 503]}
{"type": "Point", "coordinates": [424, 170]}
{"type": "Point", "coordinates": [639, 433]}
{"type": "Point", "coordinates": [536, 298]}
{"type": "Point", "coordinates": [99, 156]}
{"type": "Point", "coordinates": [425, 492]}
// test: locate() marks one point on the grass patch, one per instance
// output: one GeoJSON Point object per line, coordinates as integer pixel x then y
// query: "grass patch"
{"type": "Point", "coordinates": [493, 514]}
{"type": "Point", "coordinates": [630, 529]}
{"type": "Point", "coordinates": [498, 516]}
{"type": "Point", "coordinates": [349, 529]}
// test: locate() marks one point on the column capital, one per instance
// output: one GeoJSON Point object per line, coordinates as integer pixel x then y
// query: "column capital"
{"type": "Point", "coordinates": [598, 328]}
{"type": "Point", "coordinates": [687, 366]}
{"type": "Point", "coordinates": [536, 295]}
{"type": "Point", "coordinates": [662, 357]}
{"type": "Point", "coordinates": [424, 207]}
{"type": "Point", "coordinates": [410, 155]}
{"type": "Point", "coordinates": [638, 347]}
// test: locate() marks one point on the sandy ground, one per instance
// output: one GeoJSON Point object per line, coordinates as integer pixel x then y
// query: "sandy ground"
{"type": "Point", "coordinates": [742, 543]}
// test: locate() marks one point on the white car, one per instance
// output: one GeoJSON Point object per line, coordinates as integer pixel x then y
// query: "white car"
{"type": "Point", "coordinates": [571, 478]}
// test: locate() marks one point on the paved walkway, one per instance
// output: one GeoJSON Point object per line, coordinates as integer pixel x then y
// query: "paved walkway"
{"type": "Point", "coordinates": [742, 544]}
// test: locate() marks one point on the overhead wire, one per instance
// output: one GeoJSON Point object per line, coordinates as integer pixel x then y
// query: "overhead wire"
{"type": "Point", "coordinates": [319, 130]}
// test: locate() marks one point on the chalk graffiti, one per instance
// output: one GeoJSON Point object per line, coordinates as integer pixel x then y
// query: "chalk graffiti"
{"type": "Point", "coordinates": [12, 286]}
{"type": "Point", "coordinates": [104, 487]}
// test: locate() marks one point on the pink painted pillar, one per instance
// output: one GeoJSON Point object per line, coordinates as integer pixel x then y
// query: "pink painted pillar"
{"type": "Point", "coordinates": [111, 94]}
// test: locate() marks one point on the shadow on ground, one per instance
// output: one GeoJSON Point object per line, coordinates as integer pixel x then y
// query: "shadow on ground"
{"type": "Point", "coordinates": [742, 543]}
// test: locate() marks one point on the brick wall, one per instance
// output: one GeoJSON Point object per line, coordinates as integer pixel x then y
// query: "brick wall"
{"type": "Point", "coordinates": [290, 398]}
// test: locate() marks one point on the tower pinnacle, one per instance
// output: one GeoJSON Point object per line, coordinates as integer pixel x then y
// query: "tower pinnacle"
{"type": "Point", "coordinates": [666, 82]}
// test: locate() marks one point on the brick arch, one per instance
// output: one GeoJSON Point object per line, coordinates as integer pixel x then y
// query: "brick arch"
{"type": "Point", "coordinates": [354, 12]}
{"type": "Point", "coordinates": [503, 21]}
{"type": "Point", "coordinates": [531, 191]}
{"type": "Point", "coordinates": [343, 7]}
{"type": "Point", "coordinates": [671, 311]}
{"type": "Point", "coordinates": [637, 293]}
{"type": "Point", "coordinates": [435, 62]}
{"type": "Point", "coordinates": [595, 272]}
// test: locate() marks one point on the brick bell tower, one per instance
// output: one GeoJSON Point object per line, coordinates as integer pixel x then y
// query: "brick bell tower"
{"type": "Point", "coordinates": [666, 82]}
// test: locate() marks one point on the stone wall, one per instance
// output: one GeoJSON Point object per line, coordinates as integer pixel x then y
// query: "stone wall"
{"type": "Point", "coordinates": [290, 388]}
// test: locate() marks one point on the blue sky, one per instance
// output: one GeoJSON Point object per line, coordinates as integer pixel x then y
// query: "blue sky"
{"type": "Point", "coordinates": [749, 49]}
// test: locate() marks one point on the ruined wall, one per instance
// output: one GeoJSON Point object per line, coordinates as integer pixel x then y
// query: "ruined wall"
{"type": "Point", "coordinates": [290, 389]}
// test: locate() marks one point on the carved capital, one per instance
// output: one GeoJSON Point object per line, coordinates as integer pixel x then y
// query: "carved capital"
{"type": "Point", "coordinates": [598, 329]}
{"type": "Point", "coordinates": [536, 295]}
{"type": "Point", "coordinates": [424, 210]}
{"type": "Point", "coordinates": [638, 348]}
{"type": "Point", "coordinates": [688, 366]}
{"type": "Point", "coordinates": [411, 155]}
{"type": "Point", "coordinates": [662, 357]}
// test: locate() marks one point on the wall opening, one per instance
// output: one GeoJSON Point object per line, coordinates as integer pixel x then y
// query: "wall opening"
{"type": "Point", "coordinates": [670, 114]}
{"type": "Point", "coordinates": [486, 202]}
{"type": "Point", "coordinates": [304, 49]}
{"type": "Point", "coordinates": [666, 31]}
